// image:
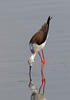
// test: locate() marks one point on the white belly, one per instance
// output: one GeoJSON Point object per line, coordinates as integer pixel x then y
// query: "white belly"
{"type": "Point", "coordinates": [35, 48]}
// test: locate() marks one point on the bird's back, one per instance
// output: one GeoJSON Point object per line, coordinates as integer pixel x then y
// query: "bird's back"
{"type": "Point", "coordinates": [41, 35]}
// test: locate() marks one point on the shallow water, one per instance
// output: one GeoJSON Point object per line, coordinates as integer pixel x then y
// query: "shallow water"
{"type": "Point", "coordinates": [19, 19]}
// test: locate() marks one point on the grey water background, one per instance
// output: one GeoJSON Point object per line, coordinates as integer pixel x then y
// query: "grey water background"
{"type": "Point", "coordinates": [19, 20]}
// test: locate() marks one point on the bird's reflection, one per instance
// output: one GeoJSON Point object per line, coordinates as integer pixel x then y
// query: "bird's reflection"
{"type": "Point", "coordinates": [31, 84]}
{"type": "Point", "coordinates": [36, 95]}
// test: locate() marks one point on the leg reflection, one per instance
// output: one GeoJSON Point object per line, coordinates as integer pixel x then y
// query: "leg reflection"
{"type": "Point", "coordinates": [30, 73]}
{"type": "Point", "coordinates": [31, 84]}
{"type": "Point", "coordinates": [43, 79]}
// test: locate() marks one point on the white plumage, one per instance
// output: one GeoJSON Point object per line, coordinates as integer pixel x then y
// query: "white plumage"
{"type": "Point", "coordinates": [35, 48]}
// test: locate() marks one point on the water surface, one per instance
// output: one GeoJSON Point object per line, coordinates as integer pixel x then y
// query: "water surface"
{"type": "Point", "coordinates": [19, 20]}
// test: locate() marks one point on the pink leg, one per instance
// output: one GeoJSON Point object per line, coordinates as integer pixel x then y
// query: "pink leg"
{"type": "Point", "coordinates": [42, 71]}
{"type": "Point", "coordinates": [44, 86]}
{"type": "Point", "coordinates": [43, 56]}
{"type": "Point", "coordinates": [42, 68]}
{"type": "Point", "coordinates": [43, 64]}
{"type": "Point", "coordinates": [41, 86]}
{"type": "Point", "coordinates": [40, 57]}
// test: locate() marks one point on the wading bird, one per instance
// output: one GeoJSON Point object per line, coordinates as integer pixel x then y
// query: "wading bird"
{"type": "Point", "coordinates": [37, 43]}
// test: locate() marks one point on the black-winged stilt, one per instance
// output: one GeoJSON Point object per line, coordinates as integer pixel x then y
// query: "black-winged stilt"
{"type": "Point", "coordinates": [37, 43]}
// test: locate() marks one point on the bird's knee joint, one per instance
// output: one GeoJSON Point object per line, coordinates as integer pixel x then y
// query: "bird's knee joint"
{"type": "Point", "coordinates": [44, 81]}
